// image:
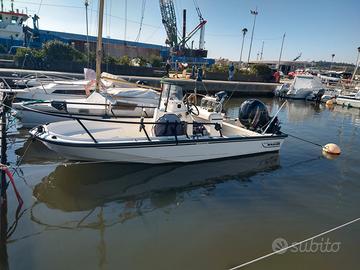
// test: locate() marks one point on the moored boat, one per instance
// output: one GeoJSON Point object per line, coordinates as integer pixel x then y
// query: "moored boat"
{"type": "Point", "coordinates": [350, 100]}
{"type": "Point", "coordinates": [178, 132]}
{"type": "Point", "coordinates": [301, 87]}
{"type": "Point", "coordinates": [117, 102]}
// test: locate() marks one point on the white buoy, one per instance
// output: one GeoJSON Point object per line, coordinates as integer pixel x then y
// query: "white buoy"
{"type": "Point", "coordinates": [332, 149]}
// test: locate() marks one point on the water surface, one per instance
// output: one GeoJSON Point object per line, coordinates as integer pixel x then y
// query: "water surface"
{"type": "Point", "coordinates": [209, 215]}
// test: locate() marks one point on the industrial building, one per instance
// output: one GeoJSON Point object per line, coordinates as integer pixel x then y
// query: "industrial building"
{"type": "Point", "coordinates": [14, 32]}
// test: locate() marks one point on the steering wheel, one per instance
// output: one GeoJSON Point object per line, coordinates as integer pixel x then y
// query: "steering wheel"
{"type": "Point", "coordinates": [192, 109]}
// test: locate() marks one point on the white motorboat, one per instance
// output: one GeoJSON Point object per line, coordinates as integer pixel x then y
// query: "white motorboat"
{"type": "Point", "coordinates": [177, 133]}
{"type": "Point", "coordinates": [117, 102]}
{"type": "Point", "coordinates": [33, 80]}
{"type": "Point", "coordinates": [56, 90]}
{"type": "Point", "coordinates": [330, 77]}
{"type": "Point", "coordinates": [330, 93]}
{"type": "Point", "coordinates": [301, 87]}
{"type": "Point", "coordinates": [350, 100]}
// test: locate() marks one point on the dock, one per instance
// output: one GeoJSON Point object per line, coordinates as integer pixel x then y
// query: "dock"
{"type": "Point", "coordinates": [213, 86]}
{"type": "Point", "coordinates": [238, 88]}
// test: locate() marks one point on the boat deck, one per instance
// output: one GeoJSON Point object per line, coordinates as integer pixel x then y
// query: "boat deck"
{"type": "Point", "coordinates": [107, 131]}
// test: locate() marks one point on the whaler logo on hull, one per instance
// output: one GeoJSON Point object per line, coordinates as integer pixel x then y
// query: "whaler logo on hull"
{"type": "Point", "coordinates": [271, 145]}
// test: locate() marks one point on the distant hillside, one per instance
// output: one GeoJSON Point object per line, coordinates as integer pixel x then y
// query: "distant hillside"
{"type": "Point", "coordinates": [335, 65]}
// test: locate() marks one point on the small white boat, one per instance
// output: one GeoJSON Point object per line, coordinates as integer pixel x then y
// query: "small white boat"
{"type": "Point", "coordinates": [350, 100]}
{"type": "Point", "coordinates": [33, 80]}
{"type": "Point", "coordinates": [329, 93]}
{"type": "Point", "coordinates": [117, 102]}
{"type": "Point", "coordinates": [56, 90]}
{"type": "Point", "coordinates": [49, 88]}
{"type": "Point", "coordinates": [301, 87]}
{"type": "Point", "coordinates": [177, 133]}
{"type": "Point", "coordinates": [330, 77]}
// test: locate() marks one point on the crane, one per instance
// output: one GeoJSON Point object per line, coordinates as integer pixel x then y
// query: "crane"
{"type": "Point", "coordinates": [202, 26]}
{"type": "Point", "coordinates": [177, 43]}
{"type": "Point", "coordinates": [169, 21]}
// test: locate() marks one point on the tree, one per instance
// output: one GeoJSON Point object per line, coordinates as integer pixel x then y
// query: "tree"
{"type": "Point", "coordinates": [56, 51]}
{"type": "Point", "coordinates": [125, 60]}
{"type": "Point", "coordinates": [155, 60]}
{"type": "Point", "coordinates": [29, 57]}
{"type": "Point", "coordinates": [3, 49]}
{"type": "Point", "coordinates": [261, 70]}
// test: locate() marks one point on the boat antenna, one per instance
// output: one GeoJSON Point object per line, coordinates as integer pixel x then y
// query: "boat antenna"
{"type": "Point", "coordinates": [12, 5]}
{"type": "Point", "coordinates": [281, 50]}
{"type": "Point", "coordinates": [272, 119]}
{"type": "Point", "coordinates": [2, 5]}
{"type": "Point", "coordinates": [99, 45]}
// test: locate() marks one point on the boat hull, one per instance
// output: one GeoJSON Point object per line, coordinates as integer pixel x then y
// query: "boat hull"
{"type": "Point", "coordinates": [157, 153]}
{"type": "Point", "coordinates": [350, 102]}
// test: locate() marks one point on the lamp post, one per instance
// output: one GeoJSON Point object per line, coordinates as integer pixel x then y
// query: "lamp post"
{"type": "Point", "coordinates": [87, 33]}
{"type": "Point", "coordinates": [262, 51]}
{"type": "Point", "coordinates": [332, 60]}
{"type": "Point", "coordinates": [255, 13]}
{"type": "Point", "coordinates": [244, 31]}
{"type": "Point", "coordinates": [356, 65]}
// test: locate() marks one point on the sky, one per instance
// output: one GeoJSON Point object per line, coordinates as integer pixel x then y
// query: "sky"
{"type": "Point", "coordinates": [315, 28]}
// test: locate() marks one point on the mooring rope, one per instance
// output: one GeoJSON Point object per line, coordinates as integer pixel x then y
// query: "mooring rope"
{"type": "Point", "coordinates": [304, 140]}
{"type": "Point", "coordinates": [295, 244]}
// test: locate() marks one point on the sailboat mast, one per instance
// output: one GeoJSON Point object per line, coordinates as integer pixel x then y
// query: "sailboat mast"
{"type": "Point", "coordinates": [99, 44]}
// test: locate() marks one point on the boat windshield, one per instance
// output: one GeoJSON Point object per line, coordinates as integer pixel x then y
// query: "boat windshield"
{"type": "Point", "coordinates": [172, 92]}
{"type": "Point", "coordinates": [308, 82]}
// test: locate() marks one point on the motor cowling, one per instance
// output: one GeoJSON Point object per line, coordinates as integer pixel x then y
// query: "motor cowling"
{"type": "Point", "coordinates": [254, 115]}
{"type": "Point", "coordinates": [169, 125]}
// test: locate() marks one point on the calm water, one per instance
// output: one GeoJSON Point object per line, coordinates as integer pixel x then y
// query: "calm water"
{"type": "Point", "coordinates": [211, 215]}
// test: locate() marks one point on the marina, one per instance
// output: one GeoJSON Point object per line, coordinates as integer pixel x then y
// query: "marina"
{"type": "Point", "coordinates": [135, 211]}
{"type": "Point", "coordinates": [127, 154]}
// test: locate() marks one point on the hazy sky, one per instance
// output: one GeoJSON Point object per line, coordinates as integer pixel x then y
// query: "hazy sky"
{"type": "Point", "coordinates": [315, 28]}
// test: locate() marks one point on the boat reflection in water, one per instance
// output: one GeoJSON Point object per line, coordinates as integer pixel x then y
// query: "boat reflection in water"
{"type": "Point", "coordinates": [83, 187]}
{"type": "Point", "coordinates": [34, 152]}
{"type": "Point", "coordinates": [352, 113]}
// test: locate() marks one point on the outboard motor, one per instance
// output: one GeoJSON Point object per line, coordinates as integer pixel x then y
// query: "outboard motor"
{"type": "Point", "coordinates": [254, 115]}
{"type": "Point", "coordinates": [319, 95]}
{"type": "Point", "coordinates": [169, 125]}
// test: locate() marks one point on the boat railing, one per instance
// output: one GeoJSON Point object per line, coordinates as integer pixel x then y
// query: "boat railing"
{"type": "Point", "coordinates": [3, 79]}
{"type": "Point", "coordinates": [87, 103]}
{"type": "Point", "coordinates": [141, 123]}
